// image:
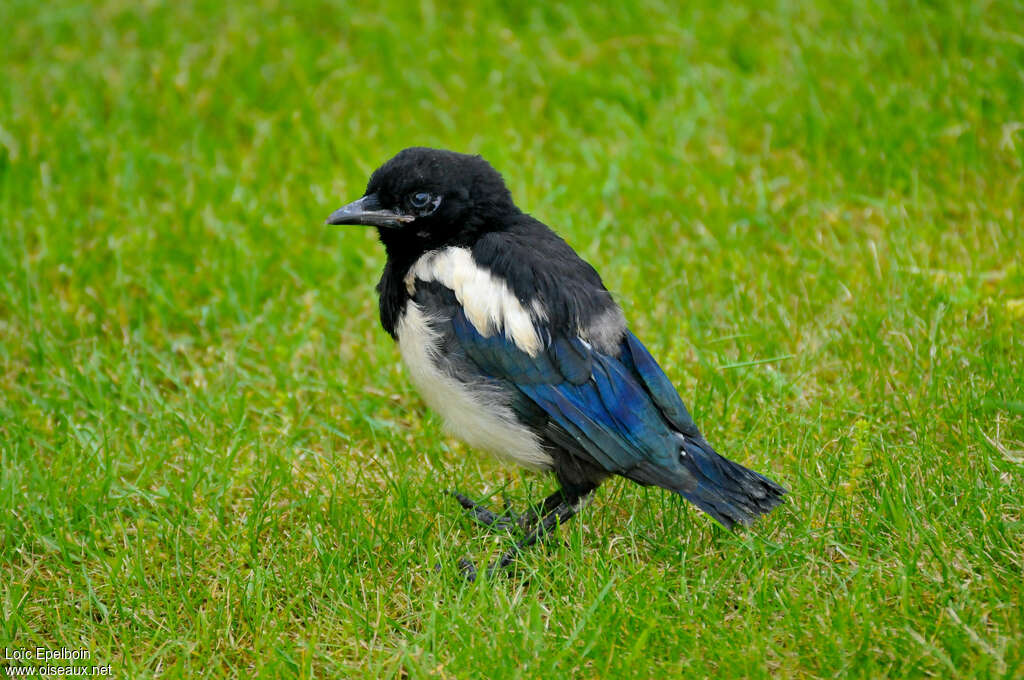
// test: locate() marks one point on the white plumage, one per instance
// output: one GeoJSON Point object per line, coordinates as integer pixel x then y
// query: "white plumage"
{"type": "Point", "coordinates": [473, 413]}
{"type": "Point", "coordinates": [487, 301]}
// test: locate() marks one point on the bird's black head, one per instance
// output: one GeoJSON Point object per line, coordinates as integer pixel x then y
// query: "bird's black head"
{"type": "Point", "coordinates": [426, 198]}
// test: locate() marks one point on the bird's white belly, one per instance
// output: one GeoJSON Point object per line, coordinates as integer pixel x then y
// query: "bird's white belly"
{"type": "Point", "coordinates": [473, 414]}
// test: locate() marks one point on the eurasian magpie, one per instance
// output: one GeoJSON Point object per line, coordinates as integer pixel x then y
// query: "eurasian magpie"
{"type": "Point", "coordinates": [515, 341]}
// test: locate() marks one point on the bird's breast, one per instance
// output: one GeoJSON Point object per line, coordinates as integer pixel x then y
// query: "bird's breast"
{"type": "Point", "coordinates": [473, 410]}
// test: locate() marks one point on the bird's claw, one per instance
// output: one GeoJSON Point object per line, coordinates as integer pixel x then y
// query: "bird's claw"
{"type": "Point", "coordinates": [467, 569]}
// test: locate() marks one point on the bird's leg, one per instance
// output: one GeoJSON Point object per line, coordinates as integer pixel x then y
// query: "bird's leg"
{"type": "Point", "coordinates": [556, 509]}
{"type": "Point", "coordinates": [485, 515]}
{"type": "Point", "coordinates": [510, 519]}
{"type": "Point", "coordinates": [565, 510]}
{"type": "Point", "coordinates": [528, 520]}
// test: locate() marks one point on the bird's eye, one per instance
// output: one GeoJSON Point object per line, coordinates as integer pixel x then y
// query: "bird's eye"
{"type": "Point", "coordinates": [419, 199]}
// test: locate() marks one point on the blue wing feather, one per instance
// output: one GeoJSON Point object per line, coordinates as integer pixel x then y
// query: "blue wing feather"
{"type": "Point", "coordinates": [500, 358]}
{"type": "Point", "coordinates": [640, 362]}
{"type": "Point", "coordinates": [575, 413]}
{"type": "Point", "coordinates": [572, 358]}
{"type": "Point", "coordinates": [593, 396]}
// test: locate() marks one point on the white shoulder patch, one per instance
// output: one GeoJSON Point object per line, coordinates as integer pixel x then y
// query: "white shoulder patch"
{"type": "Point", "coordinates": [487, 301]}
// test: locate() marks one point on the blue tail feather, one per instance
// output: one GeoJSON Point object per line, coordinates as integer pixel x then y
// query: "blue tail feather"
{"type": "Point", "coordinates": [726, 490]}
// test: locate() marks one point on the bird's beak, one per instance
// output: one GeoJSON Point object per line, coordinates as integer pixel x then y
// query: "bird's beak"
{"type": "Point", "coordinates": [368, 211]}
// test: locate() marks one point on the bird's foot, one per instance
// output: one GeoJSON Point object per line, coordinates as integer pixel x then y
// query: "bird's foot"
{"type": "Point", "coordinates": [542, 531]}
{"type": "Point", "coordinates": [507, 521]}
{"type": "Point", "coordinates": [469, 571]}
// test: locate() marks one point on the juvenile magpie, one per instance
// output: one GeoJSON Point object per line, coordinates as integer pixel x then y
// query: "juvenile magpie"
{"type": "Point", "coordinates": [515, 341]}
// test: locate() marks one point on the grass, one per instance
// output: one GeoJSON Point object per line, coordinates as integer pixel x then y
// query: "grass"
{"type": "Point", "coordinates": [211, 462]}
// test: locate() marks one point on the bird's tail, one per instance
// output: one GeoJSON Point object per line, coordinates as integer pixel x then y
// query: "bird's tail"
{"type": "Point", "coordinates": [726, 490]}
